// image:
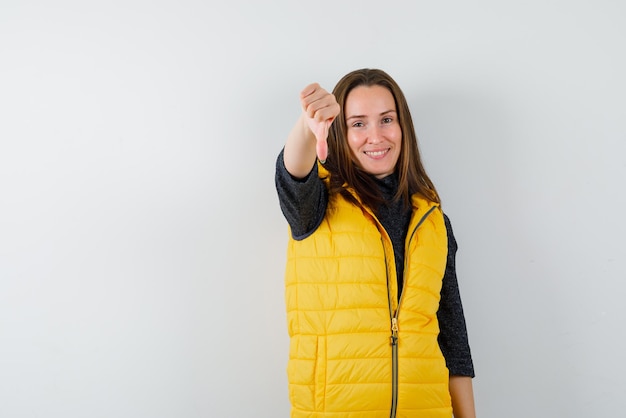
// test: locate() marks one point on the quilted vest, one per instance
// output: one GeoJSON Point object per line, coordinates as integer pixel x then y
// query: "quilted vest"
{"type": "Point", "coordinates": [356, 351]}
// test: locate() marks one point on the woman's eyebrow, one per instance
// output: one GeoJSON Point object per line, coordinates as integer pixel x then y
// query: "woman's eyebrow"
{"type": "Point", "coordinates": [365, 116]}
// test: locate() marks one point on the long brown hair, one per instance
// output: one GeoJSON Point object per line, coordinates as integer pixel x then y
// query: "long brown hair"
{"type": "Point", "coordinates": [345, 171]}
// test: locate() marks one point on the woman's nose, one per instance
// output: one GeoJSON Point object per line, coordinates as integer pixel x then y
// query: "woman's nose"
{"type": "Point", "coordinates": [374, 135]}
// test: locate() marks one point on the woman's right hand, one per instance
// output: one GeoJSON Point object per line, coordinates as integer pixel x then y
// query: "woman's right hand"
{"type": "Point", "coordinates": [320, 108]}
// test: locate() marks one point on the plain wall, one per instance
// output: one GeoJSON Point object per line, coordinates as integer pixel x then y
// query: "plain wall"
{"type": "Point", "coordinates": [142, 247]}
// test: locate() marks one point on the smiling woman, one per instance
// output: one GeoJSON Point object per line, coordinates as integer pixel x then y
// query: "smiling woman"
{"type": "Point", "coordinates": [374, 134]}
{"type": "Point", "coordinates": [373, 305]}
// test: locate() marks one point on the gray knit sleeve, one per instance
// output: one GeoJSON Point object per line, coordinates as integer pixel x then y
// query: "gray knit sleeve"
{"type": "Point", "coordinates": [453, 338]}
{"type": "Point", "coordinates": [302, 201]}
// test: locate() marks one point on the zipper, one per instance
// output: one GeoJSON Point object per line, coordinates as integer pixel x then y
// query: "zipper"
{"type": "Point", "coordinates": [394, 322]}
{"type": "Point", "coordinates": [394, 366]}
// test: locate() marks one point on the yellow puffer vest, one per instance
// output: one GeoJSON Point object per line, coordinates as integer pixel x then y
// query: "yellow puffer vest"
{"type": "Point", "coordinates": [354, 351]}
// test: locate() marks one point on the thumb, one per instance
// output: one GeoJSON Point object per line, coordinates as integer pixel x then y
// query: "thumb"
{"type": "Point", "coordinates": [322, 141]}
{"type": "Point", "coordinates": [322, 150]}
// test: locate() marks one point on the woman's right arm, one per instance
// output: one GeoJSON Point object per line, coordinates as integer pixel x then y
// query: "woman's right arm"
{"type": "Point", "coordinates": [302, 201]}
{"type": "Point", "coordinates": [301, 193]}
{"type": "Point", "coordinates": [307, 139]}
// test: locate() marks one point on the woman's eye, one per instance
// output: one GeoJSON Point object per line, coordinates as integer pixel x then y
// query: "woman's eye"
{"type": "Point", "coordinates": [387, 120]}
{"type": "Point", "coordinates": [357, 124]}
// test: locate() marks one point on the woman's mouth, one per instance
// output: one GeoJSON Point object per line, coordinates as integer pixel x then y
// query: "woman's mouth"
{"type": "Point", "coordinates": [376, 154]}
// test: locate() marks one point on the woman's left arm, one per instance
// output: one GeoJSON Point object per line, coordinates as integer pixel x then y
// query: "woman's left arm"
{"type": "Point", "coordinates": [462, 394]}
{"type": "Point", "coordinates": [453, 338]}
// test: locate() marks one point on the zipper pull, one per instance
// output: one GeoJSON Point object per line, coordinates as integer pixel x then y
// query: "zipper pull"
{"type": "Point", "coordinates": [394, 331]}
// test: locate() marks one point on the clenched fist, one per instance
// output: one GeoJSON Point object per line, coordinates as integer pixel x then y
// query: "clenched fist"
{"type": "Point", "coordinates": [321, 109]}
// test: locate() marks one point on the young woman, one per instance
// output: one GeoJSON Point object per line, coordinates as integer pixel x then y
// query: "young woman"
{"type": "Point", "coordinates": [374, 313]}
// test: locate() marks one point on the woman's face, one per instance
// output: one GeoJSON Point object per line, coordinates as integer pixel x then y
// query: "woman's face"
{"type": "Point", "coordinates": [374, 133]}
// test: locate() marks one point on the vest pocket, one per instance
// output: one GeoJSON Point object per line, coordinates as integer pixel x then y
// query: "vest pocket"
{"type": "Point", "coordinates": [306, 371]}
{"type": "Point", "coordinates": [320, 375]}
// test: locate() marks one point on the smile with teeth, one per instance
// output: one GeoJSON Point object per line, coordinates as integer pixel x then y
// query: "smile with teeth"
{"type": "Point", "coordinates": [376, 154]}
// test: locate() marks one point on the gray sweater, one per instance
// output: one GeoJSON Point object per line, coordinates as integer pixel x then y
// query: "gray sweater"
{"type": "Point", "coordinates": [303, 202]}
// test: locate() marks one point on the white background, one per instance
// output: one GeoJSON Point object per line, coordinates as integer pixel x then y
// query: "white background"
{"type": "Point", "coordinates": [141, 242]}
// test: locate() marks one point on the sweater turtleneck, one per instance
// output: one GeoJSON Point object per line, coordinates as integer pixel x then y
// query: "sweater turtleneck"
{"type": "Point", "coordinates": [394, 216]}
